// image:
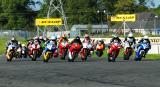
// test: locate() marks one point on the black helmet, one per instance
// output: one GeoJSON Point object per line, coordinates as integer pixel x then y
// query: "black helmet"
{"type": "Point", "coordinates": [78, 38]}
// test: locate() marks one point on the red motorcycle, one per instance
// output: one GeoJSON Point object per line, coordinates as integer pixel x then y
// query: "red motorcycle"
{"type": "Point", "coordinates": [85, 52]}
{"type": "Point", "coordinates": [63, 48]}
{"type": "Point", "coordinates": [74, 50]}
{"type": "Point", "coordinates": [128, 50]}
{"type": "Point", "coordinates": [113, 51]}
{"type": "Point", "coordinates": [34, 51]}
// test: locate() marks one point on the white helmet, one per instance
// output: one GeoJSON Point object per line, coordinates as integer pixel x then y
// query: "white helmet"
{"type": "Point", "coordinates": [51, 42]}
{"type": "Point", "coordinates": [13, 38]}
{"type": "Point", "coordinates": [145, 37]}
{"type": "Point", "coordinates": [35, 38]}
{"type": "Point", "coordinates": [40, 37]}
{"type": "Point", "coordinates": [23, 45]}
{"type": "Point", "coordinates": [19, 42]}
{"type": "Point", "coordinates": [58, 36]}
{"type": "Point", "coordinates": [130, 35]}
{"type": "Point", "coordinates": [115, 36]}
{"type": "Point", "coordinates": [53, 38]}
{"type": "Point", "coordinates": [86, 35]}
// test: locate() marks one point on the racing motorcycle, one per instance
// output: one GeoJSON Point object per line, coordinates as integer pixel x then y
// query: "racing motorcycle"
{"type": "Point", "coordinates": [113, 51]}
{"type": "Point", "coordinates": [24, 51]}
{"type": "Point", "coordinates": [99, 49]}
{"type": "Point", "coordinates": [85, 52]}
{"type": "Point", "coordinates": [63, 48]}
{"type": "Point", "coordinates": [74, 50]}
{"type": "Point", "coordinates": [140, 52]}
{"type": "Point", "coordinates": [19, 52]}
{"type": "Point", "coordinates": [35, 51]}
{"type": "Point", "coordinates": [11, 51]}
{"type": "Point", "coordinates": [128, 50]}
{"type": "Point", "coordinates": [50, 49]}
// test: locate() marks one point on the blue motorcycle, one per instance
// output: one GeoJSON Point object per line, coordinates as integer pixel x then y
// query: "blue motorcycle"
{"type": "Point", "coordinates": [141, 51]}
{"type": "Point", "coordinates": [49, 51]}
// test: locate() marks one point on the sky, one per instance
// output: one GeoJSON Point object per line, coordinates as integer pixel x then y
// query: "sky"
{"type": "Point", "coordinates": [156, 2]}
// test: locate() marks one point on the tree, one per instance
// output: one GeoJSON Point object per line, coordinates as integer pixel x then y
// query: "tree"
{"type": "Point", "coordinates": [126, 6]}
{"type": "Point", "coordinates": [16, 14]}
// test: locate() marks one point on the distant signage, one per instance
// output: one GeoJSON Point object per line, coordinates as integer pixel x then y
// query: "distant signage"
{"type": "Point", "coordinates": [49, 34]}
{"type": "Point", "coordinates": [124, 17]}
{"type": "Point", "coordinates": [49, 22]}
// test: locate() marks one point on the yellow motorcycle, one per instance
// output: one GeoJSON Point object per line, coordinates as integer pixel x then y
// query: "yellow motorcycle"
{"type": "Point", "coordinates": [10, 52]}
{"type": "Point", "coordinates": [47, 56]}
{"type": "Point", "coordinates": [49, 53]}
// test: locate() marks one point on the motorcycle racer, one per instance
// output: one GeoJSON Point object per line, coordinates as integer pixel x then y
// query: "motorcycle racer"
{"type": "Point", "coordinates": [145, 39]}
{"type": "Point", "coordinates": [115, 38]}
{"type": "Point", "coordinates": [87, 39]}
{"type": "Point", "coordinates": [130, 39]}
{"type": "Point", "coordinates": [76, 40]}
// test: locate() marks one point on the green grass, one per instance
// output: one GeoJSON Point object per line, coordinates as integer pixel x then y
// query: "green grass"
{"type": "Point", "coordinates": [3, 42]}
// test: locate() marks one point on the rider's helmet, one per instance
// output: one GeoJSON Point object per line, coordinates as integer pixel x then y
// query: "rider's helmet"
{"type": "Point", "coordinates": [145, 37]}
{"type": "Point", "coordinates": [35, 38]}
{"type": "Point", "coordinates": [13, 38]}
{"type": "Point", "coordinates": [77, 38]}
{"type": "Point", "coordinates": [41, 37]}
{"type": "Point", "coordinates": [53, 38]}
{"type": "Point", "coordinates": [19, 43]}
{"type": "Point", "coordinates": [64, 37]}
{"type": "Point", "coordinates": [86, 36]}
{"type": "Point", "coordinates": [101, 41]}
{"type": "Point", "coordinates": [51, 42]}
{"type": "Point", "coordinates": [35, 41]}
{"type": "Point", "coordinates": [58, 36]}
{"type": "Point", "coordinates": [130, 35]}
{"type": "Point", "coordinates": [115, 36]}
{"type": "Point", "coordinates": [23, 45]}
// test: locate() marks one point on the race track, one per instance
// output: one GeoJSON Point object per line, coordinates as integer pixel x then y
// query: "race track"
{"type": "Point", "coordinates": [94, 73]}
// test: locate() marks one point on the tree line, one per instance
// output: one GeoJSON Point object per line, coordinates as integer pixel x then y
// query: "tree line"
{"type": "Point", "coordinates": [18, 14]}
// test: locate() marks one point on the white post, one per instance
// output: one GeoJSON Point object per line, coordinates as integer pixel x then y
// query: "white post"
{"type": "Point", "coordinates": [158, 49]}
{"type": "Point", "coordinates": [124, 27]}
{"type": "Point", "coordinates": [38, 31]}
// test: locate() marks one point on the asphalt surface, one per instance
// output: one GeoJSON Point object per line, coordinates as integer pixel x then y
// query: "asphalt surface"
{"type": "Point", "coordinates": [94, 73]}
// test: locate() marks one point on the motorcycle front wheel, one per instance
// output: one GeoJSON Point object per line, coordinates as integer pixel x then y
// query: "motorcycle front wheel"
{"type": "Point", "coordinates": [112, 57]}
{"type": "Point", "coordinates": [128, 54]}
{"type": "Point", "coordinates": [74, 55]}
{"type": "Point", "coordinates": [34, 58]}
{"type": "Point", "coordinates": [84, 55]}
{"type": "Point", "coordinates": [99, 53]}
{"type": "Point", "coordinates": [9, 56]}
